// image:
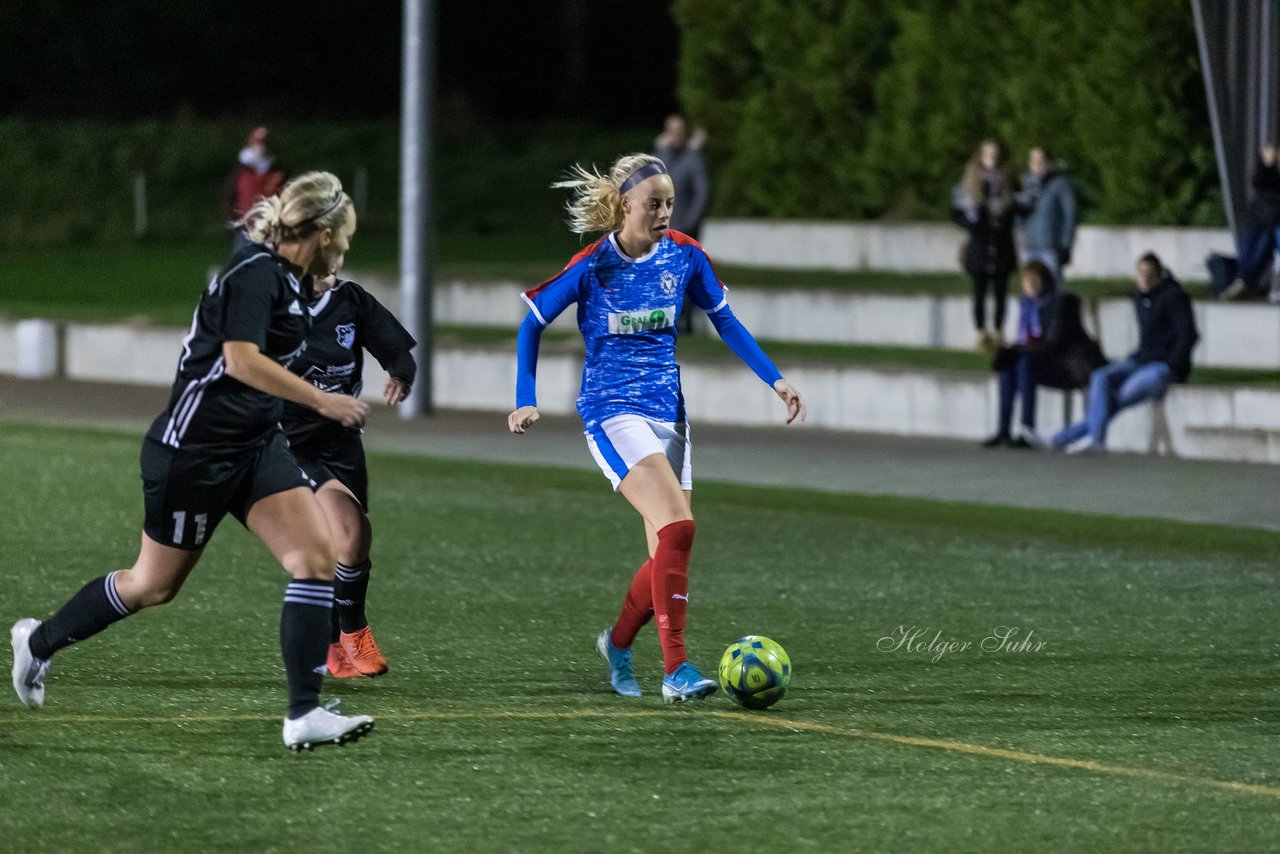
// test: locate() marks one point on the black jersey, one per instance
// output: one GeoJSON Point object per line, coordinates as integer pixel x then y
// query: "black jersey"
{"type": "Point", "coordinates": [255, 298]}
{"type": "Point", "coordinates": [346, 321]}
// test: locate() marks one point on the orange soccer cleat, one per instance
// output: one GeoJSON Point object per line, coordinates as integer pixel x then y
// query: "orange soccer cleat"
{"type": "Point", "coordinates": [338, 665]}
{"type": "Point", "coordinates": [363, 653]}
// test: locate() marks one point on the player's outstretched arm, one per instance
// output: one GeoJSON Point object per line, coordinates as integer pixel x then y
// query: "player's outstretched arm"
{"type": "Point", "coordinates": [745, 346]}
{"type": "Point", "coordinates": [522, 419]}
{"type": "Point", "coordinates": [246, 363]}
{"type": "Point", "coordinates": [395, 391]}
{"type": "Point", "coordinates": [790, 395]}
{"type": "Point", "coordinates": [527, 342]}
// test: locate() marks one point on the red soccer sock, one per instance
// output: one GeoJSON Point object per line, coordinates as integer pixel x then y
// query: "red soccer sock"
{"type": "Point", "coordinates": [671, 589]}
{"type": "Point", "coordinates": [637, 608]}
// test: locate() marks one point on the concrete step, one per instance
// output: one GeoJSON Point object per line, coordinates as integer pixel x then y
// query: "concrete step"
{"type": "Point", "coordinates": [1204, 422]}
{"type": "Point", "coordinates": [1232, 335]}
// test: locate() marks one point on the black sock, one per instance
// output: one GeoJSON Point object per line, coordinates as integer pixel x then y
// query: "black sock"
{"type": "Point", "coordinates": [304, 645]}
{"type": "Point", "coordinates": [95, 607]}
{"type": "Point", "coordinates": [349, 589]}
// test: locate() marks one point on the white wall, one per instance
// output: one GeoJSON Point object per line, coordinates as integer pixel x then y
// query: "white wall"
{"type": "Point", "coordinates": [913, 247]}
{"type": "Point", "coordinates": [1203, 422]}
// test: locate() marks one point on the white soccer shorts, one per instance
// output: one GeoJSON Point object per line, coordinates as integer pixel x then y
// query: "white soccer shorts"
{"type": "Point", "coordinates": [618, 443]}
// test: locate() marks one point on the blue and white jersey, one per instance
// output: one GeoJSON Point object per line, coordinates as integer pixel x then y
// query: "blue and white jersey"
{"type": "Point", "coordinates": [627, 313]}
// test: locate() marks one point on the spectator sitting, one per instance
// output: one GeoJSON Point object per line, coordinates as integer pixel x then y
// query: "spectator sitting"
{"type": "Point", "coordinates": [982, 204]}
{"type": "Point", "coordinates": [1260, 230]}
{"type": "Point", "coordinates": [1051, 349]}
{"type": "Point", "coordinates": [1046, 210]}
{"type": "Point", "coordinates": [257, 175]}
{"type": "Point", "coordinates": [1166, 334]}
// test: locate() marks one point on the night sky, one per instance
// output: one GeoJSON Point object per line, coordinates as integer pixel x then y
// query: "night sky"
{"type": "Point", "coordinates": [497, 60]}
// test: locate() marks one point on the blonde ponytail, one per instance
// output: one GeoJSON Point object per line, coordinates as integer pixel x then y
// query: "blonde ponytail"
{"type": "Point", "coordinates": [596, 205]}
{"type": "Point", "coordinates": [309, 203]}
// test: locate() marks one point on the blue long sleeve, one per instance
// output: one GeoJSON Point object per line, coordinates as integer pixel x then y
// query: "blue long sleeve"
{"type": "Point", "coordinates": [527, 342]}
{"type": "Point", "coordinates": [744, 345]}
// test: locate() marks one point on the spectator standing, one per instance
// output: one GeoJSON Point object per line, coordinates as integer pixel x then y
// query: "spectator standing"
{"type": "Point", "coordinates": [1166, 334]}
{"type": "Point", "coordinates": [1260, 231]}
{"type": "Point", "coordinates": [1051, 349]}
{"type": "Point", "coordinates": [682, 154]}
{"type": "Point", "coordinates": [1046, 214]}
{"type": "Point", "coordinates": [982, 204]}
{"type": "Point", "coordinates": [257, 175]}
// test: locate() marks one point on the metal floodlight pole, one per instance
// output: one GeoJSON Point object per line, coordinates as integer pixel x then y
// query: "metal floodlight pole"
{"type": "Point", "coordinates": [1209, 71]}
{"type": "Point", "coordinates": [417, 73]}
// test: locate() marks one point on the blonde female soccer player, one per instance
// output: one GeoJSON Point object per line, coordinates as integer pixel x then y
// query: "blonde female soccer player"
{"type": "Point", "coordinates": [629, 287]}
{"type": "Point", "coordinates": [218, 449]}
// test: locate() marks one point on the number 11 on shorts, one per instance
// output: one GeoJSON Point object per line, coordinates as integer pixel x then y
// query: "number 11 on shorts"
{"type": "Point", "coordinates": [180, 525]}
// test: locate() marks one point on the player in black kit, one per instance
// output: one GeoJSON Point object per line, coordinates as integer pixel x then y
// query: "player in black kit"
{"type": "Point", "coordinates": [218, 448]}
{"type": "Point", "coordinates": [346, 320]}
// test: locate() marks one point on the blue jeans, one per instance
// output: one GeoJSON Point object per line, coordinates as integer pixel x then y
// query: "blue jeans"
{"type": "Point", "coordinates": [1016, 381]}
{"type": "Point", "coordinates": [1255, 249]}
{"type": "Point", "coordinates": [1113, 388]}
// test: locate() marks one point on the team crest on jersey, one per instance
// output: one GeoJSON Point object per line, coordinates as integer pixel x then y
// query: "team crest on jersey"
{"type": "Point", "coordinates": [346, 335]}
{"type": "Point", "coordinates": [667, 282]}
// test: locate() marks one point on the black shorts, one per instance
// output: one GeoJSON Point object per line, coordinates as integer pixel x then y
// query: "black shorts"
{"type": "Point", "coordinates": [187, 493]}
{"type": "Point", "coordinates": [336, 455]}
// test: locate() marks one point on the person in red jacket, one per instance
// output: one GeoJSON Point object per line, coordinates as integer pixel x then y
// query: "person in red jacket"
{"type": "Point", "coordinates": [258, 175]}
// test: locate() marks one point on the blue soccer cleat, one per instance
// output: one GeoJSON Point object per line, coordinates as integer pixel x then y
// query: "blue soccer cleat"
{"type": "Point", "coordinates": [686, 684]}
{"type": "Point", "coordinates": [619, 661]}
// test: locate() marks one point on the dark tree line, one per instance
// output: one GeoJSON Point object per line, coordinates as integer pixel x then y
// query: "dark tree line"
{"type": "Point", "coordinates": [839, 110]}
{"type": "Point", "coordinates": [333, 59]}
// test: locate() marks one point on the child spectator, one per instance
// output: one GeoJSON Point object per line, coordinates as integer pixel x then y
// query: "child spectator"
{"type": "Point", "coordinates": [1051, 349]}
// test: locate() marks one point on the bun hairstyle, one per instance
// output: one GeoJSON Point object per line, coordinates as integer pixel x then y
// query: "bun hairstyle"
{"type": "Point", "coordinates": [309, 203]}
{"type": "Point", "coordinates": [596, 205]}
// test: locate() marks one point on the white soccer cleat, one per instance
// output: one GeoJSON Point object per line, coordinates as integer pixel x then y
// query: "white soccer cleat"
{"type": "Point", "coordinates": [320, 726]}
{"type": "Point", "coordinates": [28, 671]}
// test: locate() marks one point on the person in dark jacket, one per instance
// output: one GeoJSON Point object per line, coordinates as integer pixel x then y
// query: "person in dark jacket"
{"type": "Point", "coordinates": [682, 154]}
{"type": "Point", "coordinates": [1166, 335]}
{"type": "Point", "coordinates": [1260, 231]}
{"type": "Point", "coordinates": [982, 204]}
{"type": "Point", "coordinates": [1051, 349]}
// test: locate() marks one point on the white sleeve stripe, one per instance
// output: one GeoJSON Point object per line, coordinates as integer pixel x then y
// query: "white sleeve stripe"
{"type": "Point", "coordinates": [534, 309]}
{"type": "Point", "coordinates": [248, 260]}
{"type": "Point", "coordinates": [723, 302]}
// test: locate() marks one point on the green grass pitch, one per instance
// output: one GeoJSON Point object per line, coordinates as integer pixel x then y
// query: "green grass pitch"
{"type": "Point", "coordinates": [1148, 719]}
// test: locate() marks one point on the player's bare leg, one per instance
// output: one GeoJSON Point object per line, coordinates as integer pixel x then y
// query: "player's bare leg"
{"type": "Point", "coordinates": [154, 579]}
{"type": "Point", "coordinates": [352, 649]}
